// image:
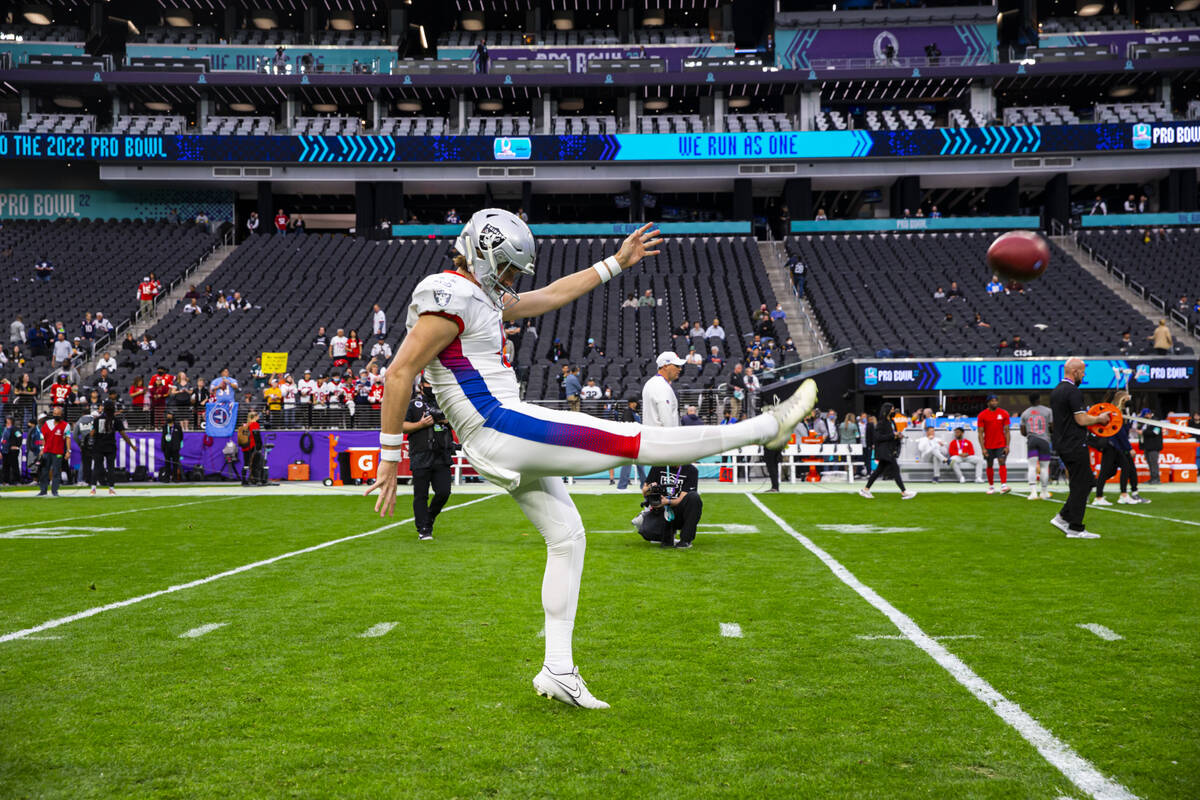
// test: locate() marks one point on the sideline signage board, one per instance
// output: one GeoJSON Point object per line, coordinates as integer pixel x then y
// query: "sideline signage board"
{"type": "Point", "coordinates": [913, 375]}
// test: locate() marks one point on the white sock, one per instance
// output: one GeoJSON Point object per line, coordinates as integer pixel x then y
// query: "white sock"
{"type": "Point", "coordinates": [1033, 468]}
{"type": "Point", "coordinates": [558, 645]}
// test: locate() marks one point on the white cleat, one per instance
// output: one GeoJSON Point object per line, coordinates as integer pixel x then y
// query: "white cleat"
{"type": "Point", "coordinates": [790, 412]}
{"type": "Point", "coordinates": [566, 687]}
{"type": "Point", "coordinates": [1126, 500]}
{"type": "Point", "coordinates": [1101, 501]}
{"type": "Point", "coordinates": [1034, 496]}
{"type": "Point", "coordinates": [907, 495]}
{"type": "Point", "coordinates": [866, 493]}
{"type": "Point", "coordinates": [1047, 496]}
{"type": "Point", "coordinates": [1004, 488]}
{"type": "Point", "coordinates": [1082, 535]}
{"type": "Point", "coordinates": [1061, 524]}
{"type": "Point", "coordinates": [991, 489]}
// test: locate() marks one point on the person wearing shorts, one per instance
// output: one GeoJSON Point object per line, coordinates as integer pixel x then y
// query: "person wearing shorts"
{"type": "Point", "coordinates": [1036, 422]}
{"type": "Point", "coordinates": [992, 428]}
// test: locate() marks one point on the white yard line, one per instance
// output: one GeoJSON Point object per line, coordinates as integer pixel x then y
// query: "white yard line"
{"type": "Point", "coordinates": [1058, 753]}
{"type": "Point", "coordinates": [1144, 516]}
{"type": "Point", "coordinates": [114, 513]}
{"type": "Point", "coordinates": [376, 631]}
{"type": "Point", "coordinates": [196, 633]}
{"type": "Point", "coordinates": [1107, 634]}
{"type": "Point", "coordinates": [868, 638]}
{"type": "Point", "coordinates": [91, 612]}
{"type": "Point", "coordinates": [731, 630]}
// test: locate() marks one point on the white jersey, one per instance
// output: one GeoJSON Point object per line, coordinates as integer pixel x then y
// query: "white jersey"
{"type": "Point", "coordinates": [471, 377]}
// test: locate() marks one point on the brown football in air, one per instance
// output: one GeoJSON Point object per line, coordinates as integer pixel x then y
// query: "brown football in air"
{"type": "Point", "coordinates": [1019, 256]}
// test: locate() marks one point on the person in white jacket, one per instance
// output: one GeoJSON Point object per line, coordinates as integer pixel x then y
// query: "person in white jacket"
{"type": "Point", "coordinates": [930, 449]}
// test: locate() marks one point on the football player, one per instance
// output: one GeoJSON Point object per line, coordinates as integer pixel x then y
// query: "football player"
{"type": "Point", "coordinates": [455, 328]}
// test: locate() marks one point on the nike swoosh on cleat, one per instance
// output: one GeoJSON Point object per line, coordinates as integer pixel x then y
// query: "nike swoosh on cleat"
{"type": "Point", "coordinates": [575, 695]}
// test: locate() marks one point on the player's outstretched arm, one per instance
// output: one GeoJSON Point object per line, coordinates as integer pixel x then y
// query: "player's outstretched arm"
{"type": "Point", "coordinates": [430, 336]}
{"type": "Point", "coordinates": [640, 244]}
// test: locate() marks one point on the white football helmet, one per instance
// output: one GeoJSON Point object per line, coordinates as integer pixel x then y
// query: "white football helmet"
{"type": "Point", "coordinates": [494, 241]}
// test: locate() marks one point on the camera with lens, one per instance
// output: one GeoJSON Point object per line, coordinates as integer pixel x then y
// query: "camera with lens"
{"type": "Point", "coordinates": [439, 418]}
{"type": "Point", "coordinates": [654, 496]}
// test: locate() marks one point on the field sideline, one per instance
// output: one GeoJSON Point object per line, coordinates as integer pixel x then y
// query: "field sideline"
{"type": "Point", "coordinates": [296, 645]}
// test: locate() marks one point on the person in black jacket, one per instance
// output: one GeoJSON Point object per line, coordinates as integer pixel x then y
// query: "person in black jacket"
{"type": "Point", "coordinates": [1152, 444]}
{"type": "Point", "coordinates": [869, 446]}
{"type": "Point", "coordinates": [431, 454]}
{"type": "Point", "coordinates": [887, 451]}
{"type": "Point", "coordinates": [672, 502]}
{"type": "Point", "coordinates": [171, 441]}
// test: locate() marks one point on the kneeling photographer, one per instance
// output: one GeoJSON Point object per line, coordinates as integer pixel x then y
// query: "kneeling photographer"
{"type": "Point", "coordinates": [672, 503]}
{"type": "Point", "coordinates": [431, 454]}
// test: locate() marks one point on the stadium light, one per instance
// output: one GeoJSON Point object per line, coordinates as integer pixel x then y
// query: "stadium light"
{"type": "Point", "coordinates": [409, 105]}
{"type": "Point", "coordinates": [36, 15]}
{"type": "Point", "coordinates": [265, 19]}
{"type": "Point", "coordinates": [739, 102]}
{"type": "Point", "coordinates": [157, 105]}
{"type": "Point", "coordinates": [472, 21]}
{"type": "Point", "coordinates": [243, 108]}
{"type": "Point", "coordinates": [325, 108]}
{"type": "Point", "coordinates": [179, 17]}
{"type": "Point", "coordinates": [341, 20]}
{"type": "Point", "coordinates": [1088, 8]}
{"type": "Point", "coordinates": [1187, 5]}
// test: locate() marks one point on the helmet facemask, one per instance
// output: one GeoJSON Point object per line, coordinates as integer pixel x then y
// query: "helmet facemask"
{"type": "Point", "coordinates": [499, 248]}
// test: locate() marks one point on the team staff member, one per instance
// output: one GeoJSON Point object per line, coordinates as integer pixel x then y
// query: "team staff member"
{"type": "Point", "coordinates": [81, 434]}
{"type": "Point", "coordinates": [887, 451]}
{"type": "Point", "coordinates": [660, 408]}
{"type": "Point", "coordinates": [993, 433]}
{"type": "Point", "coordinates": [1069, 437]}
{"type": "Point", "coordinates": [171, 440]}
{"type": "Point", "coordinates": [673, 504]}
{"type": "Point", "coordinates": [10, 448]}
{"type": "Point", "coordinates": [1117, 454]}
{"type": "Point", "coordinates": [430, 454]}
{"type": "Point", "coordinates": [105, 429]}
{"type": "Point", "coordinates": [56, 444]}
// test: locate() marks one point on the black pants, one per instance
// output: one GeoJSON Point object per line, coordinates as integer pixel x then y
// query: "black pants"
{"type": "Point", "coordinates": [50, 473]}
{"type": "Point", "coordinates": [12, 473]}
{"type": "Point", "coordinates": [425, 511]}
{"type": "Point", "coordinates": [171, 469]}
{"type": "Point", "coordinates": [1111, 461]}
{"type": "Point", "coordinates": [771, 458]}
{"type": "Point", "coordinates": [656, 528]}
{"type": "Point", "coordinates": [1081, 481]}
{"type": "Point", "coordinates": [102, 467]}
{"type": "Point", "coordinates": [1152, 463]}
{"type": "Point", "coordinates": [886, 469]}
{"type": "Point", "coordinates": [85, 465]}
{"type": "Point", "coordinates": [252, 467]}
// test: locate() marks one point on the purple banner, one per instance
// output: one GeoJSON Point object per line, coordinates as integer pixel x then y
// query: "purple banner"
{"type": "Point", "coordinates": [578, 56]}
{"type": "Point", "coordinates": [804, 48]}
{"type": "Point", "coordinates": [147, 451]}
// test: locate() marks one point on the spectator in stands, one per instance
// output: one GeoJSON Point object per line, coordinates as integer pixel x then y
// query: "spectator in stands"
{"type": "Point", "coordinates": [955, 293]}
{"type": "Point", "coordinates": [821, 217]}
{"type": "Point", "coordinates": [557, 351]}
{"type": "Point", "coordinates": [224, 388]}
{"type": "Point", "coordinates": [378, 321]}
{"type": "Point", "coordinates": [647, 299]}
{"type": "Point", "coordinates": [681, 329]}
{"type": "Point", "coordinates": [1161, 338]}
{"type": "Point", "coordinates": [381, 349]}
{"type": "Point", "coordinates": [590, 391]}
{"type": "Point", "coordinates": [714, 357]}
{"type": "Point", "coordinates": [481, 56]}
{"type": "Point", "coordinates": [521, 215]}
{"type": "Point", "coordinates": [181, 397]}
{"type": "Point", "coordinates": [43, 270]}
{"type": "Point", "coordinates": [572, 388]}
{"type": "Point", "coordinates": [797, 268]}
{"type": "Point", "coordinates": [146, 344]}
{"type": "Point", "coordinates": [190, 307]}
{"type": "Point", "coordinates": [1003, 348]}
{"type": "Point", "coordinates": [994, 286]}
{"type": "Point", "coordinates": [104, 381]}
{"type": "Point", "coordinates": [321, 340]}
{"type": "Point", "coordinates": [138, 394]}
{"type": "Point", "coordinates": [337, 348]}
{"type": "Point", "coordinates": [693, 358]}
{"type": "Point", "coordinates": [16, 331]}
{"type": "Point", "coordinates": [159, 390]}
{"type": "Point", "coordinates": [87, 328]}
{"type": "Point", "coordinates": [1184, 308]}
{"type": "Point", "coordinates": [737, 389]}
{"type": "Point", "coordinates": [353, 347]}
{"type": "Point", "coordinates": [298, 224]}
{"type": "Point", "coordinates": [103, 326]}
{"type": "Point", "coordinates": [1131, 205]}
{"type": "Point", "coordinates": [696, 332]}
{"type": "Point", "coordinates": [452, 218]}
{"type": "Point", "coordinates": [778, 313]}
{"type": "Point", "coordinates": [26, 393]}
{"type": "Point", "coordinates": [934, 213]}
{"type": "Point", "coordinates": [785, 221]}
{"type": "Point", "coordinates": [1125, 344]}
{"type": "Point", "coordinates": [939, 293]}
{"type": "Point", "coordinates": [690, 417]}
{"type": "Point", "coordinates": [281, 222]}
{"type": "Point", "coordinates": [761, 314]}
{"type": "Point", "coordinates": [61, 350]}
{"type": "Point", "coordinates": [1099, 206]}
{"type": "Point", "coordinates": [979, 323]}
{"type": "Point", "coordinates": [252, 222]}
{"type": "Point", "coordinates": [591, 348]}
{"type": "Point", "coordinates": [145, 296]}
{"type": "Point", "coordinates": [1143, 204]}
{"type": "Point", "coordinates": [920, 212]}
{"type": "Point", "coordinates": [173, 216]}
{"type": "Point", "coordinates": [202, 221]}
{"type": "Point", "coordinates": [630, 302]}
{"type": "Point", "coordinates": [933, 54]}
{"type": "Point", "coordinates": [715, 332]}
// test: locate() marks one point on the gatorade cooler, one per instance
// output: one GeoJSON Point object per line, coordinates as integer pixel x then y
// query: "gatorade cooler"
{"type": "Point", "coordinates": [363, 461]}
{"type": "Point", "coordinates": [1183, 473]}
{"type": "Point", "coordinates": [297, 472]}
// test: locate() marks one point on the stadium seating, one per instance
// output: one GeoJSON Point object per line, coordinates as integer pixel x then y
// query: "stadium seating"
{"type": "Point", "coordinates": [1077, 24]}
{"type": "Point", "coordinates": [967, 119]}
{"type": "Point", "coordinates": [585, 126]}
{"type": "Point", "coordinates": [97, 268]}
{"type": "Point", "coordinates": [165, 34]}
{"type": "Point", "coordinates": [354, 38]}
{"type": "Point", "coordinates": [327, 126]}
{"type": "Point", "coordinates": [44, 33]}
{"type": "Point", "coordinates": [874, 292]}
{"type": "Point", "coordinates": [150, 125]}
{"type": "Point", "coordinates": [498, 126]}
{"type": "Point", "coordinates": [1166, 265]}
{"type": "Point", "coordinates": [831, 121]}
{"type": "Point", "coordinates": [412, 126]}
{"type": "Point", "coordinates": [240, 126]}
{"type": "Point", "coordinates": [1133, 112]}
{"type": "Point", "coordinates": [671, 123]}
{"type": "Point", "coordinates": [305, 282]}
{"type": "Point", "coordinates": [752, 123]}
{"type": "Point", "coordinates": [889, 120]}
{"type": "Point", "coordinates": [1040, 115]}
{"type": "Point", "coordinates": [57, 123]}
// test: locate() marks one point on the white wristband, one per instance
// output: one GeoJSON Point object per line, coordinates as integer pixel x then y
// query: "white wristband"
{"type": "Point", "coordinates": [607, 269]}
{"type": "Point", "coordinates": [391, 439]}
{"type": "Point", "coordinates": [390, 455]}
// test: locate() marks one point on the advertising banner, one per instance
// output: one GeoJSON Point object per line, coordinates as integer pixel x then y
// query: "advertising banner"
{"type": "Point", "coordinates": [1119, 41]}
{"type": "Point", "coordinates": [115, 204]}
{"type": "Point", "coordinates": [578, 56]}
{"type": "Point", "coordinates": [900, 376]}
{"type": "Point", "coordinates": [915, 224]}
{"type": "Point", "coordinates": [242, 58]}
{"type": "Point", "coordinates": [798, 48]}
{"type": "Point", "coordinates": [1139, 220]}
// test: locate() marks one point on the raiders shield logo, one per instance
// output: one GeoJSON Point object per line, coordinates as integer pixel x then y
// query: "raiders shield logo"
{"type": "Point", "coordinates": [490, 237]}
{"type": "Point", "coordinates": [441, 297]}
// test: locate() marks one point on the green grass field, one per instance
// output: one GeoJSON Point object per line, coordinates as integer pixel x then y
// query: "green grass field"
{"type": "Point", "coordinates": [288, 699]}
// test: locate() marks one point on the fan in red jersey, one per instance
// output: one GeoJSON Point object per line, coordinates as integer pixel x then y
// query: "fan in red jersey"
{"type": "Point", "coordinates": [992, 427]}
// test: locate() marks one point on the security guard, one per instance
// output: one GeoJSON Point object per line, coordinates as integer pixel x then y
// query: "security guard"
{"type": "Point", "coordinates": [431, 453]}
